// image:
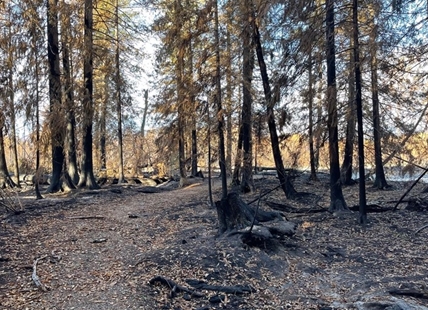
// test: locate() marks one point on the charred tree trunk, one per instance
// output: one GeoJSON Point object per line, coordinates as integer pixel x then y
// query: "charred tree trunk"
{"type": "Point", "coordinates": [103, 124]}
{"type": "Point", "coordinates": [285, 182]}
{"type": "Point", "coordinates": [70, 138]}
{"type": "Point", "coordinates": [179, 68]}
{"type": "Point", "coordinates": [5, 180]}
{"type": "Point", "coordinates": [380, 179]}
{"type": "Point", "coordinates": [87, 178]}
{"type": "Point", "coordinates": [238, 159]}
{"type": "Point", "coordinates": [220, 114]}
{"type": "Point", "coordinates": [229, 92]}
{"type": "Point", "coordinates": [337, 201]}
{"type": "Point", "coordinates": [346, 170]}
{"type": "Point", "coordinates": [118, 81]}
{"type": "Point", "coordinates": [247, 76]}
{"type": "Point", "coordinates": [10, 96]}
{"type": "Point", "coordinates": [56, 117]}
{"type": "Point", "coordinates": [311, 96]}
{"type": "Point", "coordinates": [194, 150]}
{"type": "Point", "coordinates": [37, 98]}
{"type": "Point", "coordinates": [359, 101]}
{"type": "Point", "coordinates": [193, 121]}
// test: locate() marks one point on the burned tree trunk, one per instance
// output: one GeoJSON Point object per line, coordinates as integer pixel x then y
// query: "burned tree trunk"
{"type": "Point", "coordinates": [284, 180]}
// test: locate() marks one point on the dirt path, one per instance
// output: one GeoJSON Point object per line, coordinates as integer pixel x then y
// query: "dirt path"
{"type": "Point", "coordinates": [92, 248]}
{"type": "Point", "coordinates": [101, 248]}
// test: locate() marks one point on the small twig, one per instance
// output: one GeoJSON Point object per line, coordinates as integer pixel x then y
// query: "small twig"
{"type": "Point", "coordinates": [420, 229]}
{"type": "Point", "coordinates": [94, 217]}
{"type": "Point", "coordinates": [34, 275]}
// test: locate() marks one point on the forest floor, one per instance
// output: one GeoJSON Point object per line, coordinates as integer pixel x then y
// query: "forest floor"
{"type": "Point", "coordinates": [100, 249]}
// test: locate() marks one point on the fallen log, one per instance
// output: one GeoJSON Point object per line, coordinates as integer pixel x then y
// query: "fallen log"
{"type": "Point", "coordinates": [88, 217]}
{"type": "Point", "coordinates": [409, 292]}
{"type": "Point", "coordinates": [200, 285]}
{"type": "Point", "coordinates": [174, 287]}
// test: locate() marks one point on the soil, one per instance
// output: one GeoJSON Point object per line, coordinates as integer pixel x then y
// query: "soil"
{"type": "Point", "coordinates": [100, 249]}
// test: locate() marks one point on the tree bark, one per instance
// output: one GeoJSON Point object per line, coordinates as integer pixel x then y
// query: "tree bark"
{"type": "Point", "coordinates": [337, 201]}
{"type": "Point", "coordinates": [229, 92]}
{"type": "Point", "coordinates": [37, 98]}
{"type": "Point", "coordinates": [121, 177]}
{"type": "Point", "coordinates": [311, 95]}
{"type": "Point", "coordinates": [193, 121]}
{"type": "Point", "coordinates": [179, 68]}
{"type": "Point", "coordinates": [103, 124]}
{"type": "Point", "coordinates": [220, 112]}
{"type": "Point", "coordinates": [346, 170]}
{"type": "Point", "coordinates": [359, 101]}
{"type": "Point", "coordinates": [380, 179]}
{"type": "Point", "coordinates": [5, 180]}
{"type": "Point", "coordinates": [238, 159]}
{"type": "Point", "coordinates": [146, 107]}
{"type": "Point", "coordinates": [284, 180]}
{"type": "Point", "coordinates": [11, 99]}
{"type": "Point", "coordinates": [87, 178]}
{"type": "Point", "coordinates": [70, 138]}
{"type": "Point", "coordinates": [56, 117]}
{"type": "Point", "coordinates": [247, 76]}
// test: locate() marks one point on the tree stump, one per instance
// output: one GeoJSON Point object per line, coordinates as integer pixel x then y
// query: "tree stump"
{"type": "Point", "coordinates": [236, 217]}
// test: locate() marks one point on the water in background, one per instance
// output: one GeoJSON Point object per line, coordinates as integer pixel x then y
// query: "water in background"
{"type": "Point", "coordinates": [397, 174]}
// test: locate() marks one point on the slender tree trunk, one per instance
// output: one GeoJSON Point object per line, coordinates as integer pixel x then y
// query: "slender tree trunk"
{"type": "Point", "coordinates": [311, 95]}
{"type": "Point", "coordinates": [180, 93]}
{"type": "Point", "coordinates": [346, 170]}
{"type": "Point", "coordinates": [103, 124]}
{"type": "Point", "coordinates": [319, 127]}
{"type": "Point", "coordinates": [5, 179]}
{"type": "Point", "coordinates": [38, 172]}
{"type": "Point", "coordinates": [70, 139]}
{"type": "Point", "coordinates": [146, 107]}
{"type": "Point", "coordinates": [87, 178]}
{"type": "Point", "coordinates": [337, 201]}
{"type": "Point", "coordinates": [37, 98]}
{"type": "Point", "coordinates": [14, 143]}
{"type": "Point", "coordinates": [210, 190]}
{"type": "Point", "coordinates": [121, 177]}
{"type": "Point", "coordinates": [229, 106]}
{"type": "Point", "coordinates": [193, 121]}
{"type": "Point", "coordinates": [56, 117]}
{"type": "Point", "coordinates": [380, 179]}
{"type": "Point", "coordinates": [194, 150]}
{"type": "Point", "coordinates": [143, 127]}
{"type": "Point", "coordinates": [247, 76]}
{"type": "Point", "coordinates": [220, 114]}
{"type": "Point", "coordinates": [238, 159]}
{"type": "Point", "coordinates": [284, 180]}
{"type": "Point", "coordinates": [10, 61]}
{"type": "Point", "coordinates": [181, 123]}
{"type": "Point", "coordinates": [359, 101]}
